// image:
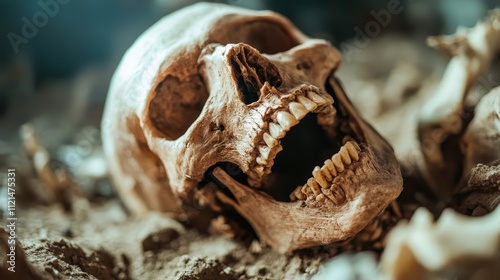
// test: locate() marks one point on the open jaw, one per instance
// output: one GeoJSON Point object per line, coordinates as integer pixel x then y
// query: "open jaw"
{"type": "Point", "coordinates": [315, 178]}
{"type": "Point", "coordinates": [306, 146]}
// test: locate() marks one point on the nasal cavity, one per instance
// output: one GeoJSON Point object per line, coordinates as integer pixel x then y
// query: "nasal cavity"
{"type": "Point", "coordinates": [252, 70]}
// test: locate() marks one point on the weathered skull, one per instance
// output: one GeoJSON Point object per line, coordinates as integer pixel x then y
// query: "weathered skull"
{"type": "Point", "coordinates": [212, 85]}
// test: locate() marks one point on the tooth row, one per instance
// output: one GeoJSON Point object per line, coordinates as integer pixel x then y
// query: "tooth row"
{"type": "Point", "coordinates": [297, 110]}
{"type": "Point", "coordinates": [322, 178]}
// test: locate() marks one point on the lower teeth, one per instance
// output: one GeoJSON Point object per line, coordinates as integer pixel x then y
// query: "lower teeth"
{"type": "Point", "coordinates": [322, 180]}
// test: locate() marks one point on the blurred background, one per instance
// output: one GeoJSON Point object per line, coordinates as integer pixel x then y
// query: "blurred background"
{"type": "Point", "coordinates": [81, 41]}
{"type": "Point", "coordinates": [57, 56]}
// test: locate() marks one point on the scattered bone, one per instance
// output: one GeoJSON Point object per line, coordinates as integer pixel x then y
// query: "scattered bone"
{"type": "Point", "coordinates": [58, 182]}
{"type": "Point", "coordinates": [472, 51]}
{"type": "Point", "coordinates": [426, 249]}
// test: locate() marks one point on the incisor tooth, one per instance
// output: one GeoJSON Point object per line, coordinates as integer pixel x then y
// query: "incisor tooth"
{"type": "Point", "coordinates": [315, 97]}
{"type": "Point", "coordinates": [311, 106]}
{"type": "Point", "coordinates": [270, 141]}
{"type": "Point", "coordinates": [319, 177]}
{"type": "Point", "coordinates": [351, 149]}
{"type": "Point", "coordinates": [314, 186]}
{"type": "Point", "coordinates": [338, 162]}
{"type": "Point", "coordinates": [298, 110]}
{"type": "Point", "coordinates": [286, 120]}
{"type": "Point", "coordinates": [276, 131]}
{"type": "Point", "coordinates": [331, 167]}
{"type": "Point", "coordinates": [326, 173]}
{"type": "Point", "coordinates": [344, 156]}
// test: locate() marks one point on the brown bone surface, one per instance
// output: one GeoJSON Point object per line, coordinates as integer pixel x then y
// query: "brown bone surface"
{"type": "Point", "coordinates": [212, 86]}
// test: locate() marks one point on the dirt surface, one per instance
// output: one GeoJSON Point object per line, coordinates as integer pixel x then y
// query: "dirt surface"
{"type": "Point", "coordinates": [99, 241]}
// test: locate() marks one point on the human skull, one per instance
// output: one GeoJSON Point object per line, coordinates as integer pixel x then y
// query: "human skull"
{"type": "Point", "coordinates": [212, 85]}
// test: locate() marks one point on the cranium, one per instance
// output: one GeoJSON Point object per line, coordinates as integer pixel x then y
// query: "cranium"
{"type": "Point", "coordinates": [211, 85]}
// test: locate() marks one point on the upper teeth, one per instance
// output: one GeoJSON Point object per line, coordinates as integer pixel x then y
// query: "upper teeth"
{"type": "Point", "coordinates": [325, 175]}
{"type": "Point", "coordinates": [298, 110]}
{"type": "Point", "coordinates": [283, 121]}
{"type": "Point", "coordinates": [286, 120]}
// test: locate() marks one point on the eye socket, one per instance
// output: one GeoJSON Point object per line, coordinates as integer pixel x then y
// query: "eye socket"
{"type": "Point", "coordinates": [175, 105]}
{"type": "Point", "coordinates": [251, 70]}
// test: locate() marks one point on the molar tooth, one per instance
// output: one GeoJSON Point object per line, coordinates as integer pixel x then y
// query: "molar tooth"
{"type": "Point", "coordinates": [326, 173]}
{"type": "Point", "coordinates": [320, 198]}
{"type": "Point", "coordinates": [261, 161]}
{"type": "Point", "coordinates": [355, 144]}
{"type": "Point", "coordinates": [305, 189]}
{"type": "Point", "coordinates": [315, 97]}
{"type": "Point", "coordinates": [376, 234]}
{"type": "Point", "coordinates": [319, 177]}
{"type": "Point", "coordinates": [338, 193]}
{"type": "Point", "coordinates": [299, 194]}
{"type": "Point", "coordinates": [346, 139]}
{"type": "Point", "coordinates": [276, 131]}
{"type": "Point", "coordinates": [264, 151]}
{"type": "Point", "coordinates": [298, 110]}
{"type": "Point", "coordinates": [311, 106]}
{"type": "Point", "coordinates": [351, 149]}
{"type": "Point", "coordinates": [286, 120]}
{"type": "Point", "coordinates": [331, 167]}
{"type": "Point", "coordinates": [259, 169]}
{"type": "Point", "coordinates": [344, 156]}
{"type": "Point", "coordinates": [338, 163]}
{"type": "Point", "coordinates": [270, 141]}
{"type": "Point", "coordinates": [314, 186]}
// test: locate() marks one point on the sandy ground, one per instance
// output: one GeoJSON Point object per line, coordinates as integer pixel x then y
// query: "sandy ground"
{"type": "Point", "coordinates": [97, 240]}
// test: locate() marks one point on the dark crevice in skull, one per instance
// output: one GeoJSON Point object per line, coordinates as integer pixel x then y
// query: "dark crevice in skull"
{"type": "Point", "coordinates": [305, 146]}
{"type": "Point", "coordinates": [230, 168]}
{"type": "Point", "coordinates": [343, 121]}
{"type": "Point", "coordinates": [252, 70]}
